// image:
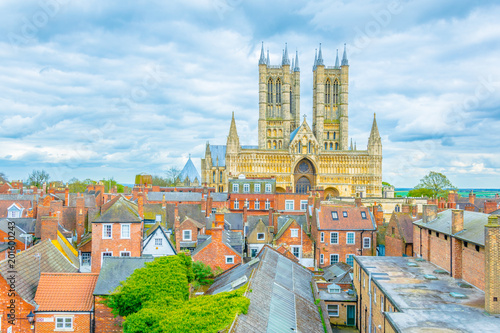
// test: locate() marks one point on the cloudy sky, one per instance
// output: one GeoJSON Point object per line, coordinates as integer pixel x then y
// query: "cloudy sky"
{"type": "Point", "coordinates": [94, 89]}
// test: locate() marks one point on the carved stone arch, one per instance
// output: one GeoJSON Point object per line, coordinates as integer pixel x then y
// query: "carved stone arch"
{"type": "Point", "coordinates": [331, 192]}
{"type": "Point", "coordinates": [304, 175]}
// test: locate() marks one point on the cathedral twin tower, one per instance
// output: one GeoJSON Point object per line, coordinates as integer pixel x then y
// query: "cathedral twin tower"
{"type": "Point", "coordinates": [298, 157]}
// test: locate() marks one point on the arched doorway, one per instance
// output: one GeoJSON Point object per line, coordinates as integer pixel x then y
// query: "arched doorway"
{"type": "Point", "coordinates": [304, 176]}
{"type": "Point", "coordinates": [331, 192]}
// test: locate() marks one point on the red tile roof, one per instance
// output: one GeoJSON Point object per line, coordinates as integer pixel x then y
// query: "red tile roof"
{"type": "Point", "coordinates": [66, 291]}
{"type": "Point", "coordinates": [353, 221]}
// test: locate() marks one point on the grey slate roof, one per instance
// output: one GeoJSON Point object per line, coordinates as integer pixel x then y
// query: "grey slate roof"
{"type": "Point", "coordinates": [6, 227]}
{"type": "Point", "coordinates": [218, 151]}
{"type": "Point", "coordinates": [473, 226]}
{"type": "Point", "coordinates": [219, 197]}
{"type": "Point", "coordinates": [174, 196]}
{"type": "Point", "coordinates": [18, 197]}
{"type": "Point", "coordinates": [25, 223]}
{"type": "Point", "coordinates": [335, 270]}
{"type": "Point", "coordinates": [190, 210]}
{"type": "Point", "coordinates": [229, 280]}
{"type": "Point", "coordinates": [189, 171]}
{"type": "Point", "coordinates": [231, 239]}
{"type": "Point", "coordinates": [89, 200]}
{"type": "Point", "coordinates": [235, 220]}
{"type": "Point", "coordinates": [120, 211]}
{"type": "Point", "coordinates": [28, 270]}
{"type": "Point", "coordinates": [281, 297]}
{"type": "Point", "coordinates": [283, 219]}
{"type": "Point", "coordinates": [115, 270]}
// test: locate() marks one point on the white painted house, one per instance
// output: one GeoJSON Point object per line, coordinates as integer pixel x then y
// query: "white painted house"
{"type": "Point", "coordinates": [157, 242]}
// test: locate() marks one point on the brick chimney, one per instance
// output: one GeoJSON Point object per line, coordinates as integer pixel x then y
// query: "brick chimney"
{"type": "Point", "coordinates": [164, 202]}
{"type": "Point", "coordinates": [245, 213]}
{"type": "Point", "coordinates": [219, 220]}
{"type": "Point", "coordinates": [49, 227]}
{"type": "Point", "coordinates": [492, 265]}
{"type": "Point", "coordinates": [472, 197]}
{"type": "Point", "coordinates": [44, 189]}
{"type": "Point", "coordinates": [490, 206]}
{"type": "Point", "coordinates": [217, 234]}
{"type": "Point", "coordinates": [457, 221]}
{"type": "Point", "coordinates": [177, 229]}
{"type": "Point", "coordinates": [80, 217]}
{"type": "Point", "coordinates": [357, 202]}
{"type": "Point", "coordinates": [140, 205]}
{"type": "Point", "coordinates": [405, 209]}
{"type": "Point", "coordinates": [66, 196]}
{"type": "Point", "coordinates": [429, 213]}
{"type": "Point", "coordinates": [414, 210]}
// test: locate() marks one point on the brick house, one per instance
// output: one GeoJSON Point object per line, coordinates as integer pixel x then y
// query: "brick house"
{"type": "Point", "coordinates": [17, 205]}
{"type": "Point", "coordinates": [223, 248]}
{"type": "Point", "coordinates": [117, 231]}
{"type": "Point", "coordinates": [65, 302]}
{"type": "Point", "coordinates": [292, 235]}
{"type": "Point", "coordinates": [186, 233]}
{"type": "Point", "coordinates": [114, 270]}
{"type": "Point", "coordinates": [454, 240]}
{"type": "Point", "coordinates": [256, 194]}
{"type": "Point", "coordinates": [341, 232]}
{"type": "Point", "coordinates": [41, 258]}
{"type": "Point", "coordinates": [399, 235]}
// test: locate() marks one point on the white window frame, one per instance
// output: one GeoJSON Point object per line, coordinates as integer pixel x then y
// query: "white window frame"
{"type": "Point", "coordinates": [89, 258]}
{"type": "Point", "coordinates": [353, 238]}
{"type": "Point", "coordinates": [289, 204]}
{"type": "Point", "coordinates": [333, 311]}
{"type": "Point", "coordinates": [256, 188]}
{"type": "Point", "coordinates": [381, 303]}
{"type": "Point", "coordinates": [363, 215]}
{"type": "Point", "coordinates": [344, 214]}
{"type": "Point", "coordinates": [269, 188]}
{"type": "Point", "coordinates": [331, 258]}
{"type": "Point", "coordinates": [331, 237]}
{"type": "Point", "coordinates": [159, 240]}
{"type": "Point", "coordinates": [335, 215]}
{"type": "Point", "coordinates": [105, 252]}
{"type": "Point", "coordinates": [321, 259]}
{"type": "Point", "coordinates": [104, 226]}
{"type": "Point", "coordinates": [303, 205]}
{"type": "Point", "coordinates": [236, 204]}
{"type": "Point", "coordinates": [184, 238]}
{"type": "Point", "coordinates": [123, 252]}
{"type": "Point", "coordinates": [263, 234]}
{"type": "Point", "coordinates": [293, 248]}
{"type": "Point", "coordinates": [374, 295]}
{"type": "Point", "coordinates": [229, 259]}
{"type": "Point", "coordinates": [246, 204]}
{"type": "Point", "coordinates": [64, 323]}
{"type": "Point", "coordinates": [294, 233]}
{"type": "Point", "coordinates": [246, 188]}
{"type": "Point", "coordinates": [158, 218]}
{"type": "Point", "coordinates": [365, 246]}
{"type": "Point", "coordinates": [214, 210]}
{"type": "Point", "coordinates": [256, 205]}
{"type": "Point", "coordinates": [236, 188]}
{"type": "Point", "coordinates": [121, 232]}
{"type": "Point", "coordinates": [322, 237]}
{"type": "Point", "coordinates": [268, 204]}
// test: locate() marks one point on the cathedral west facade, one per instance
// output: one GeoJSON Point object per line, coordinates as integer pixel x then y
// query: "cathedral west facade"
{"type": "Point", "coordinates": [298, 156]}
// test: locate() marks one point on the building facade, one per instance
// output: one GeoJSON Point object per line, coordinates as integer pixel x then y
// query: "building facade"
{"type": "Point", "coordinates": [297, 156]}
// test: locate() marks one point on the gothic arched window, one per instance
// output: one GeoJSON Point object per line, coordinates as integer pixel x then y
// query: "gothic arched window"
{"type": "Point", "coordinates": [270, 91]}
{"type": "Point", "coordinates": [213, 177]}
{"type": "Point", "coordinates": [331, 146]}
{"type": "Point", "coordinates": [336, 146]}
{"type": "Point", "coordinates": [336, 92]}
{"type": "Point", "coordinates": [327, 92]}
{"type": "Point", "coordinates": [278, 91]}
{"type": "Point", "coordinates": [326, 145]}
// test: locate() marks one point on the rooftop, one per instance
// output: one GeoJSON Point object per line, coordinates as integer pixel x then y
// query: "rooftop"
{"type": "Point", "coordinates": [427, 305]}
{"type": "Point", "coordinates": [65, 291]}
{"type": "Point", "coordinates": [354, 220]}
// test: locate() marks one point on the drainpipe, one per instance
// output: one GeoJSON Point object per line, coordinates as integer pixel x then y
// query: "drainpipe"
{"type": "Point", "coordinates": [420, 241]}
{"type": "Point", "coordinates": [300, 254]}
{"type": "Point", "coordinates": [361, 241]}
{"type": "Point", "coordinates": [370, 294]}
{"type": "Point", "coordinates": [451, 257]}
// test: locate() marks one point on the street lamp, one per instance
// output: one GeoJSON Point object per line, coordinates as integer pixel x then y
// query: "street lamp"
{"type": "Point", "coordinates": [31, 317]}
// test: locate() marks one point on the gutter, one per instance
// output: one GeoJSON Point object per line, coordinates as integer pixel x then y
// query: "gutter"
{"type": "Point", "coordinates": [370, 294]}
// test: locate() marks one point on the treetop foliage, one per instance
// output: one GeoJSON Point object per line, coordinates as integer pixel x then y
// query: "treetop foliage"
{"type": "Point", "coordinates": [156, 299]}
{"type": "Point", "coordinates": [37, 178]}
{"type": "Point", "coordinates": [436, 182]}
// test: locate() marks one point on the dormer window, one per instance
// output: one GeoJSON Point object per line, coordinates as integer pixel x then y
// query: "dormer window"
{"type": "Point", "coordinates": [363, 215]}
{"type": "Point", "coordinates": [14, 211]}
{"type": "Point", "coordinates": [334, 289]}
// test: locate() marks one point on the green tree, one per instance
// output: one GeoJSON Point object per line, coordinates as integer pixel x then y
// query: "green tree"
{"type": "Point", "coordinates": [386, 184]}
{"type": "Point", "coordinates": [38, 177]}
{"type": "Point", "coordinates": [160, 181]}
{"type": "Point", "coordinates": [436, 182]}
{"type": "Point", "coordinates": [202, 272]}
{"type": "Point", "coordinates": [421, 192]}
{"type": "Point", "coordinates": [110, 183]}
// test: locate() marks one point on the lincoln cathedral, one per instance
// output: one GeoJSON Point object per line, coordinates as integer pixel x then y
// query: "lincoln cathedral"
{"type": "Point", "coordinates": [297, 155]}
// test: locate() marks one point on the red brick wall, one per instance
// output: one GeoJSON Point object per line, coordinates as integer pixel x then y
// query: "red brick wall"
{"type": "Point", "coordinates": [214, 253]}
{"type": "Point", "coordinates": [342, 248]}
{"type": "Point", "coordinates": [440, 251]}
{"type": "Point", "coordinates": [49, 228]}
{"type": "Point", "coordinates": [473, 265]}
{"type": "Point", "coordinates": [394, 247]}
{"type": "Point", "coordinates": [116, 243]}
{"type": "Point", "coordinates": [241, 197]}
{"type": "Point", "coordinates": [105, 321]}
{"type": "Point", "coordinates": [81, 322]}
{"type": "Point", "coordinates": [22, 309]}
{"type": "Point", "coordinates": [4, 237]}
{"type": "Point", "coordinates": [282, 197]}
{"type": "Point", "coordinates": [287, 240]}
{"type": "Point", "coordinates": [188, 225]}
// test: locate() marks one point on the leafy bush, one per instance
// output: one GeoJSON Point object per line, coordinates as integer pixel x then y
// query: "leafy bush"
{"type": "Point", "coordinates": [202, 272]}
